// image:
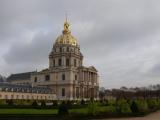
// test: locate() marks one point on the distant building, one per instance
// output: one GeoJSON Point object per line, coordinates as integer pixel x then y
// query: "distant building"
{"type": "Point", "coordinates": [66, 75]}
{"type": "Point", "coordinates": [21, 78]}
{"type": "Point", "coordinates": [27, 92]}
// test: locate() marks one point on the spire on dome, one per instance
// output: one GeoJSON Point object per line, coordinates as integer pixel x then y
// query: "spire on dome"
{"type": "Point", "coordinates": [66, 26]}
{"type": "Point", "coordinates": [66, 38]}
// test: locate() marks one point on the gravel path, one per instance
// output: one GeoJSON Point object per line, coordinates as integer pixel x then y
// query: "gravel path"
{"type": "Point", "coordinates": [152, 116]}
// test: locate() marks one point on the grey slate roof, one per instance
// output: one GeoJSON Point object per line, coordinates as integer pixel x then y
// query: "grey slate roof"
{"type": "Point", "coordinates": [8, 87]}
{"type": "Point", "coordinates": [20, 76]}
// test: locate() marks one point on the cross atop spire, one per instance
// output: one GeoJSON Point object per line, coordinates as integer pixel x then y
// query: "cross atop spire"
{"type": "Point", "coordinates": [66, 25]}
{"type": "Point", "coordinates": [66, 15]}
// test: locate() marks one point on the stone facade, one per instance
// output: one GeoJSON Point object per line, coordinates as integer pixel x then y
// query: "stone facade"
{"type": "Point", "coordinates": [25, 92]}
{"type": "Point", "coordinates": [66, 75]}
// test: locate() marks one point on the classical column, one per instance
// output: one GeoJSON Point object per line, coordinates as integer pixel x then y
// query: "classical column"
{"type": "Point", "coordinates": [83, 75]}
{"type": "Point", "coordinates": [75, 92]}
{"type": "Point", "coordinates": [89, 76]}
{"type": "Point", "coordinates": [82, 92]}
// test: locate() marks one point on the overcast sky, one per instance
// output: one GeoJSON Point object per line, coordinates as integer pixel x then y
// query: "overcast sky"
{"type": "Point", "coordinates": [121, 38]}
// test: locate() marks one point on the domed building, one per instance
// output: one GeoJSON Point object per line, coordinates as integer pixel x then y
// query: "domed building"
{"type": "Point", "coordinates": [66, 75]}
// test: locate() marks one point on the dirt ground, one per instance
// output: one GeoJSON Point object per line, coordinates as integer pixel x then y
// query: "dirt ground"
{"type": "Point", "coordinates": [152, 116]}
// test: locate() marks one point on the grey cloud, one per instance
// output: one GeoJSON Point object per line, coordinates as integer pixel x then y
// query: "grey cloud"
{"type": "Point", "coordinates": [34, 52]}
{"type": "Point", "coordinates": [120, 38]}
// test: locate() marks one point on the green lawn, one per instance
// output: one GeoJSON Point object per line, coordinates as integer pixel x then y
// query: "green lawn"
{"type": "Point", "coordinates": [79, 111]}
{"type": "Point", "coordinates": [33, 111]}
{"type": "Point", "coordinates": [29, 111]}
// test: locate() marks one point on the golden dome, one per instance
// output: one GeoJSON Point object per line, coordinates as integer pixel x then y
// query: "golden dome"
{"type": "Point", "coordinates": [66, 37]}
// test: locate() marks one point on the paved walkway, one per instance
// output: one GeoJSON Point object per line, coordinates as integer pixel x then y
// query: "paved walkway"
{"type": "Point", "coordinates": [152, 116]}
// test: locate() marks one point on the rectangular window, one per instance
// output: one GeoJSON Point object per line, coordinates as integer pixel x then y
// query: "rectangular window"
{"type": "Point", "coordinates": [75, 77]}
{"type": "Point", "coordinates": [63, 76]}
{"type": "Point", "coordinates": [54, 63]}
{"type": "Point", "coordinates": [35, 79]}
{"type": "Point", "coordinates": [85, 92]}
{"type": "Point", "coordinates": [6, 97]}
{"type": "Point", "coordinates": [47, 78]}
{"type": "Point", "coordinates": [67, 49]}
{"type": "Point", "coordinates": [59, 62]}
{"type": "Point", "coordinates": [27, 96]}
{"type": "Point", "coordinates": [60, 49]}
{"type": "Point", "coordinates": [12, 96]}
{"type": "Point", "coordinates": [63, 91]}
{"type": "Point", "coordinates": [75, 63]}
{"type": "Point", "coordinates": [77, 92]}
{"type": "Point", "coordinates": [67, 62]}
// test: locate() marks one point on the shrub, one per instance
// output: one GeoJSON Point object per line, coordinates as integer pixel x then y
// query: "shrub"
{"type": "Point", "coordinates": [2, 102]}
{"type": "Point", "coordinates": [22, 102]}
{"type": "Point", "coordinates": [111, 102]}
{"type": "Point", "coordinates": [63, 109]}
{"type": "Point", "coordinates": [107, 109]}
{"type": "Point", "coordinates": [43, 103]}
{"type": "Point", "coordinates": [55, 103]}
{"type": "Point", "coordinates": [82, 102]}
{"type": "Point", "coordinates": [158, 103]}
{"type": "Point", "coordinates": [92, 108]}
{"type": "Point", "coordinates": [69, 104]}
{"type": "Point", "coordinates": [123, 107]}
{"type": "Point", "coordinates": [142, 106]}
{"type": "Point", "coordinates": [134, 107]}
{"type": "Point", "coordinates": [10, 102]}
{"type": "Point", "coordinates": [34, 104]}
{"type": "Point", "coordinates": [152, 104]}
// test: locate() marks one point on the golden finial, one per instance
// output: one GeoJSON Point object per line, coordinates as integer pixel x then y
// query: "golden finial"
{"type": "Point", "coordinates": [66, 25]}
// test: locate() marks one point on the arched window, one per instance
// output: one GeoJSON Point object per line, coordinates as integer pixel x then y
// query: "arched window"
{"type": "Point", "coordinates": [63, 76]}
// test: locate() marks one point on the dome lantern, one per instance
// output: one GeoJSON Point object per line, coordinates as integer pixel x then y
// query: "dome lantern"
{"type": "Point", "coordinates": [66, 38]}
